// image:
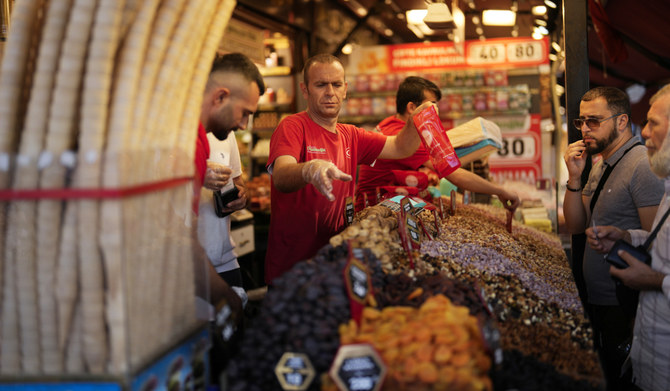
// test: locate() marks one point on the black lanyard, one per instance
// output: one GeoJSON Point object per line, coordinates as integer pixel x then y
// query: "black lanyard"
{"type": "Point", "coordinates": [606, 174]}
{"type": "Point", "coordinates": [651, 237]}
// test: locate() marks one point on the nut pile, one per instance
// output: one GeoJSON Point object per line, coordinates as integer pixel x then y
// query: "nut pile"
{"type": "Point", "coordinates": [527, 282]}
{"type": "Point", "coordinates": [437, 346]}
{"type": "Point", "coordinates": [301, 313]}
{"type": "Point", "coordinates": [403, 290]}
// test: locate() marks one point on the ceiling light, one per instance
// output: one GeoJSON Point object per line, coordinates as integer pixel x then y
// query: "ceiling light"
{"type": "Point", "coordinates": [361, 11]}
{"type": "Point", "coordinates": [556, 47]}
{"type": "Point", "coordinates": [415, 16]}
{"type": "Point", "coordinates": [498, 18]}
{"type": "Point", "coordinates": [388, 32]}
{"type": "Point", "coordinates": [537, 34]}
{"type": "Point", "coordinates": [540, 22]}
{"type": "Point", "coordinates": [539, 10]}
{"type": "Point", "coordinates": [415, 30]}
{"type": "Point", "coordinates": [479, 30]}
{"type": "Point", "coordinates": [438, 17]}
{"type": "Point", "coordinates": [347, 49]}
{"type": "Point", "coordinates": [543, 30]}
{"type": "Point", "coordinates": [551, 57]}
{"type": "Point", "coordinates": [550, 3]}
{"type": "Point", "coordinates": [475, 19]}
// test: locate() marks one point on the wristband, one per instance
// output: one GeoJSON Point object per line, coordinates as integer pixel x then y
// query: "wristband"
{"type": "Point", "coordinates": [567, 187]}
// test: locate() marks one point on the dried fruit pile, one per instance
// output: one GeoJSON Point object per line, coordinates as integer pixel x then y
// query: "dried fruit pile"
{"type": "Point", "coordinates": [519, 281]}
{"type": "Point", "coordinates": [437, 346]}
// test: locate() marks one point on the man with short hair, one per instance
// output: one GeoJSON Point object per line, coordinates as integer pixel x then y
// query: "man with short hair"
{"type": "Point", "coordinates": [412, 92]}
{"type": "Point", "coordinates": [621, 191]}
{"type": "Point", "coordinates": [231, 96]}
{"type": "Point", "coordinates": [650, 351]}
{"type": "Point", "coordinates": [312, 161]}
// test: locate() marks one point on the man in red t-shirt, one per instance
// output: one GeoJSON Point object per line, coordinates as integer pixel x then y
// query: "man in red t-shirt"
{"type": "Point", "coordinates": [412, 92]}
{"type": "Point", "coordinates": [312, 162]}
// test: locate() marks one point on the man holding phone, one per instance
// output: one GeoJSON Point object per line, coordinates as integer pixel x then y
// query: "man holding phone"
{"type": "Point", "coordinates": [650, 353]}
{"type": "Point", "coordinates": [231, 97]}
{"type": "Point", "coordinates": [621, 190]}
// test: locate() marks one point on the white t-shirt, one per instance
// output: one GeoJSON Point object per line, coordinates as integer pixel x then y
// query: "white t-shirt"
{"type": "Point", "coordinates": [213, 231]}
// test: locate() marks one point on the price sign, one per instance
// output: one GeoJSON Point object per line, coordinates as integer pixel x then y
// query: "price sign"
{"type": "Point", "coordinates": [518, 147]}
{"type": "Point", "coordinates": [529, 51]}
{"type": "Point", "coordinates": [486, 53]}
{"type": "Point", "coordinates": [294, 371]}
{"type": "Point", "coordinates": [358, 368]}
{"type": "Point", "coordinates": [358, 280]}
{"type": "Point", "coordinates": [413, 231]}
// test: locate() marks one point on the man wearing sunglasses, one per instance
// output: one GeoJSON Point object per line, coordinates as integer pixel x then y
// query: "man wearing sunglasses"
{"type": "Point", "coordinates": [621, 191]}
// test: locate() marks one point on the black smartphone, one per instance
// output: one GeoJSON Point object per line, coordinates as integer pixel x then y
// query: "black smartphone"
{"type": "Point", "coordinates": [638, 252]}
{"type": "Point", "coordinates": [222, 199]}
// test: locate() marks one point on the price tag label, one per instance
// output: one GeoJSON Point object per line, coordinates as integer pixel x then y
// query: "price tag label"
{"type": "Point", "coordinates": [349, 210]}
{"type": "Point", "coordinates": [413, 231]}
{"type": "Point", "coordinates": [486, 53]}
{"type": "Point", "coordinates": [294, 371]}
{"type": "Point", "coordinates": [405, 205]}
{"type": "Point", "coordinates": [529, 51]}
{"type": "Point", "coordinates": [358, 280]}
{"type": "Point", "coordinates": [358, 368]}
{"type": "Point", "coordinates": [518, 147]}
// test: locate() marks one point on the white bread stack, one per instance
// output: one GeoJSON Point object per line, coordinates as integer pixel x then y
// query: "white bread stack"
{"type": "Point", "coordinates": [99, 94]}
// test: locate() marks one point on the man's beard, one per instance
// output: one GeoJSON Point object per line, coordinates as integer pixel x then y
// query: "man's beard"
{"type": "Point", "coordinates": [604, 143]}
{"type": "Point", "coordinates": [660, 160]}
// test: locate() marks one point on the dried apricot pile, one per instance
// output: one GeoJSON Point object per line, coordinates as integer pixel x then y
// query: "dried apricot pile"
{"type": "Point", "coordinates": [437, 346]}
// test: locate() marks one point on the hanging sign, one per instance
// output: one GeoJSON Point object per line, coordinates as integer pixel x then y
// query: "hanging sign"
{"type": "Point", "coordinates": [520, 158]}
{"type": "Point", "coordinates": [489, 53]}
{"type": "Point", "coordinates": [294, 371]}
{"type": "Point", "coordinates": [358, 367]}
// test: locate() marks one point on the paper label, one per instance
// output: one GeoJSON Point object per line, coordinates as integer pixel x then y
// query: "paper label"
{"type": "Point", "coordinates": [294, 371]}
{"type": "Point", "coordinates": [358, 367]}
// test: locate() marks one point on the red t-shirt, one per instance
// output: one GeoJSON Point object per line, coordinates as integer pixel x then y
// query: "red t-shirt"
{"type": "Point", "coordinates": [303, 221]}
{"type": "Point", "coordinates": [369, 178]}
{"type": "Point", "coordinates": [201, 156]}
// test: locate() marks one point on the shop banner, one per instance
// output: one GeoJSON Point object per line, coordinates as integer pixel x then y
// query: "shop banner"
{"type": "Point", "coordinates": [490, 53]}
{"type": "Point", "coordinates": [520, 158]}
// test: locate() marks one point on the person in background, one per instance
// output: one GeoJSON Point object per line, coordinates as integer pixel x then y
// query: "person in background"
{"type": "Point", "coordinates": [312, 161]}
{"type": "Point", "coordinates": [412, 92]}
{"type": "Point", "coordinates": [650, 350]}
{"type": "Point", "coordinates": [628, 199]}
{"type": "Point", "coordinates": [231, 96]}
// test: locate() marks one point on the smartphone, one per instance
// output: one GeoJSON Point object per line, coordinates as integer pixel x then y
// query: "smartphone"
{"type": "Point", "coordinates": [222, 199]}
{"type": "Point", "coordinates": [638, 252]}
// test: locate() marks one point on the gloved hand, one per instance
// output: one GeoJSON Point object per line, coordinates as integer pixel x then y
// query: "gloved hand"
{"type": "Point", "coordinates": [321, 173]}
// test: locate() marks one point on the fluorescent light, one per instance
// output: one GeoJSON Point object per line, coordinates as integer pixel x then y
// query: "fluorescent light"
{"type": "Point", "coordinates": [498, 18]}
{"type": "Point", "coordinates": [415, 30]}
{"type": "Point", "coordinates": [550, 3]}
{"type": "Point", "coordinates": [539, 10]}
{"type": "Point", "coordinates": [415, 16]}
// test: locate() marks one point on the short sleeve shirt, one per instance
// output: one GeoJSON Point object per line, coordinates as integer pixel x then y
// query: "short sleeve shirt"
{"type": "Point", "coordinates": [303, 221]}
{"type": "Point", "coordinates": [379, 173]}
{"type": "Point", "coordinates": [630, 186]}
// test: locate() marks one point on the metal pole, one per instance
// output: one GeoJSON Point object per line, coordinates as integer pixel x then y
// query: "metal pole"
{"type": "Point", "coordinates": [576, 84]}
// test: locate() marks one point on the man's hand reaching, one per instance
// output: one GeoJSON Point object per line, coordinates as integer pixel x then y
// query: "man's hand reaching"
{"type": "Point", "coordinates": [321, 173]}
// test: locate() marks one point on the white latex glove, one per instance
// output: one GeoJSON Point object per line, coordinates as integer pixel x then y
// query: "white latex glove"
{"type": "Point", "coordinates": [321, 173]}
{"type": "Point", "coordinates": [242, 294]}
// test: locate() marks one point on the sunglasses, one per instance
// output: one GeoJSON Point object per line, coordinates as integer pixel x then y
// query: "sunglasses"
{"type": "Point", "coordinates": [592, 123]}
